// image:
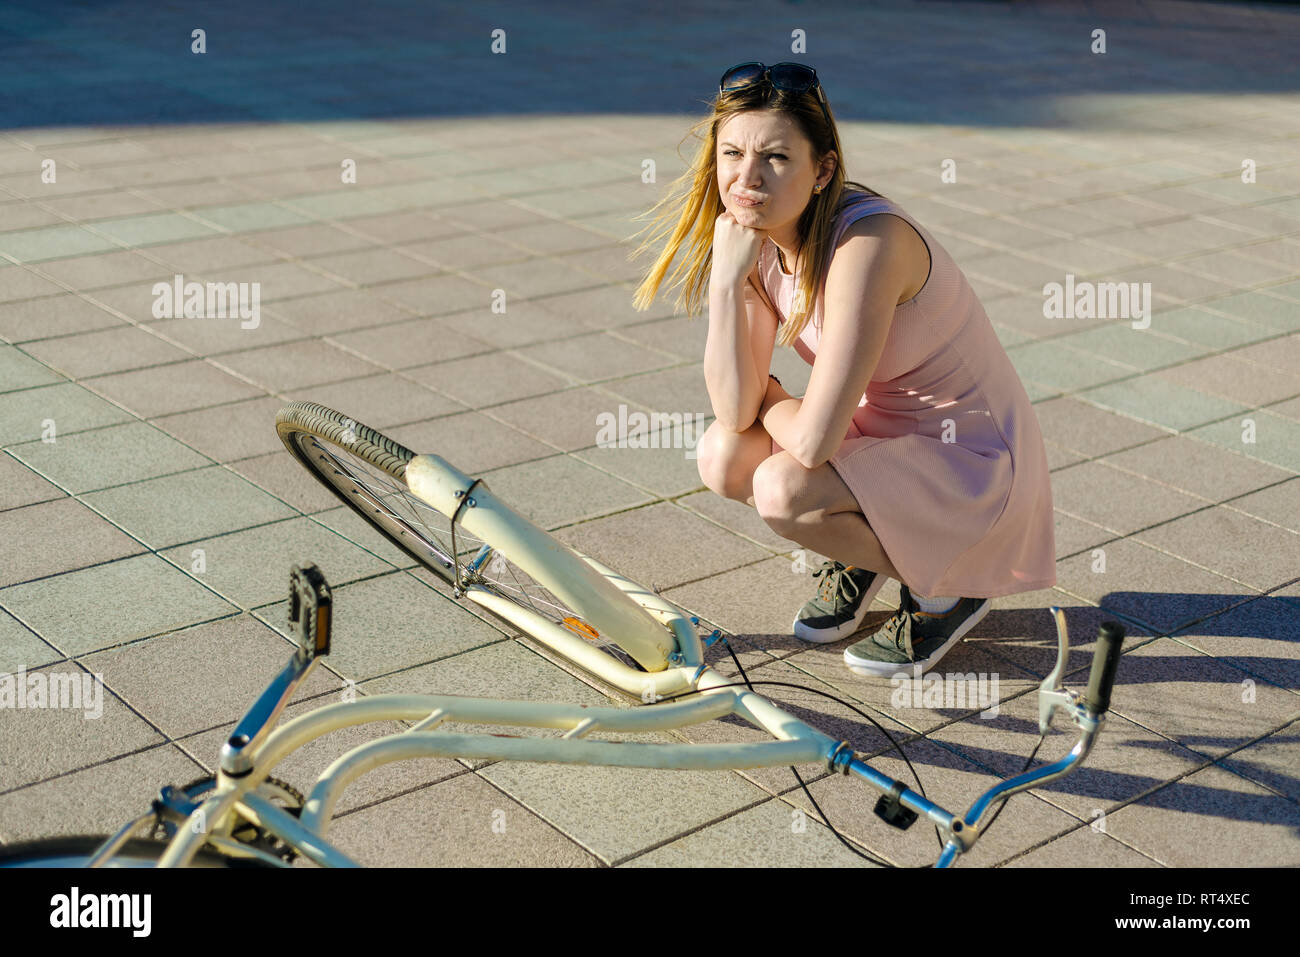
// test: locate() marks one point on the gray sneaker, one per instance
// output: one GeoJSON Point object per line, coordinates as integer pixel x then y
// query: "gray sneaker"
{"type": "Point", "coordinates": [913, 637]}
{"type": "Point", "coordinates": [843, 598]}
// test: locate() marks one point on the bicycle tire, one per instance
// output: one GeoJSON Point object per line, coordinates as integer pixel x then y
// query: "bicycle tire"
{"type": "Point", "coordinates": [77, 850]}
{"type": "Point", "coordinates": [333, 447]}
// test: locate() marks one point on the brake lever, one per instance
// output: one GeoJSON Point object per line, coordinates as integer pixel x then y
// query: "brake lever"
{"type": "Point", "coordinates": [1052, 694]}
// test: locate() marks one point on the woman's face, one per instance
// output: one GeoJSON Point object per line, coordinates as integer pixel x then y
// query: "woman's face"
{"type": "Point", "coordinates": [764, 156]}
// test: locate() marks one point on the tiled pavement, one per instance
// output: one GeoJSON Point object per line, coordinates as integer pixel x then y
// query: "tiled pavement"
{"type": "Point", "coordinates": [131, 442]}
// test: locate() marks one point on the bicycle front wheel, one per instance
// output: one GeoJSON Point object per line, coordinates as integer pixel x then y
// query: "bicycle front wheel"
{"type": "Point", "coordinates": [366, 469]}
{"type": "Point", "coordinates": [76, 851]}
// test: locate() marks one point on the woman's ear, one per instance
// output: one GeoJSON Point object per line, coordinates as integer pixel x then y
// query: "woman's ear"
{"type": "Point", "coordinates": [828, 164]}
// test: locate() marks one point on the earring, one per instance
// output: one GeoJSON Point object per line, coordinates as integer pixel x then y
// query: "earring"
{"type": "Point", "coordinates": [817, 189]}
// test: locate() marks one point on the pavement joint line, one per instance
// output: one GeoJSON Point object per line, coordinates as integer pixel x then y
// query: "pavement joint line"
{"type": "Point", "coordinates": [1029, 850]}
{"type": "Point", "coordinates": [519, 801]}
{"type": "Point", "coordinates": [98, 764]}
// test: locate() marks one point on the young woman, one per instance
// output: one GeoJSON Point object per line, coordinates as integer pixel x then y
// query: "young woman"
{"type": "Point", "coordinates": [915, 453]}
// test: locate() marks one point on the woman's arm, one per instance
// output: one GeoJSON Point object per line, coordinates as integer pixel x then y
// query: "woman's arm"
{"type": "Point", "coordinates": [737, 353]}
{"type": "Point", "coordinates": [878, 258]}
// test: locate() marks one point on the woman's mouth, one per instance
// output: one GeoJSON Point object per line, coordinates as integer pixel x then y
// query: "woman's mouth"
{"type": "Point", "coordinates": [741, 201]}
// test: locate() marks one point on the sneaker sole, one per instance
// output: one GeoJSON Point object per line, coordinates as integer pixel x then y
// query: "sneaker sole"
{"type": "Point", "coordinates": [827, 635]}
{"type": "Point", "coordinates": [884, 669]}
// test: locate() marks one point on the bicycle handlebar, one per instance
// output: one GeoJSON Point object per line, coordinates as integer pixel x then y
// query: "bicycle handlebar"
{"type": "Point", "coordinates": [1110, 636]}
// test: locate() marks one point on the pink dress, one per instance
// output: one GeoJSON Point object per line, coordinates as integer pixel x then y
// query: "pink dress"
{"type": "Point", "coordinates": [969, 517]}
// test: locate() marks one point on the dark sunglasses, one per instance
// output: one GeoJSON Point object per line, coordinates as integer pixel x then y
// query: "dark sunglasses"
{"type": "Point", "coordinates": [788, 77]}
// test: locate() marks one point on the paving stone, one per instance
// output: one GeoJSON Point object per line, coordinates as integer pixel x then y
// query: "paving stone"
{"type": "Point", "coordinates": [1270, 762]}
{"type": "Point", "coordinates": [1118, 500]}
{"type": "Point", "coordinates": [247, 567]}
{"type": "Point", "coordinates": [116, 455]}
{"type": "Point", "coordinates": [1201, 702]}
{"type": "Point", "coordinates": [1087, 846]}
{"type": "Point", "coordinates": [122, 789]}
{"type": "Point", "coordinates": [177, 387]}
{"type": "Point", "coordinates": [410, 344]}
{"type": "Point", "coordinates": [104, 269]}
{"type": "Point", "coordinates": [615, 812]}
{"type": "Point", "coordinates": [455, 822]}
{"type": "Point", "coordinates": [1251, 827]}
{"type": "Point", "coordinates": [280, 474]}
{"type": "Point", "coordinates": [296, 365]}
{"type": "Point", "coordinates": [471, 441]}
{"type": "Point", "coordinates": [661, 545]}
{"type": "Point", "coordinates": [770, 835]}
{"type": "Point", "coordinates": [20, 486]}
{"type": "Point", "coordinates": [20, 284]}
{"type": "Point", "coordinates": [228, 432]}
{"type": "Point", "coordinates": [183, 682]}
{"type": "Point", "coordinates": [1260, 637]}
{"type": "Point", "coordinates": [125, 600]}
{"type": "Point", "coordinates": [1237, 380]}
{"type": "Point", "coordinates": [333, 312]}
{"type": "Point", "coordinates": [1089, 430]}
{"type": "Point", "coordinates": [1147, 585]}
{"type": "Point", "coordinates": [489, 379]}
{"type": "Point", "coordinates": [574, 418]}
{"type": "Point", "coordinates": [1056, 365]}
{"type": "Point", "coordinates": [49, 316]}
{"type": "Point", "coordinates": [1279, 504]}
{"type": "Point", "coordinates": [109, 350]}
{"type": "Point", "coordinates": [187, 506]}
{"type": "Point", "coordinates": [20, 647]}
{"type": "Point", "coordinates": [379, 401]}
{"type": "Point", "coordinates": [1230, 543]}
{"type": "Point", "coordinates": [1261, 435]}
{"type": "Point", "coordinates": [52, 412]}
{"type": "Point", "coordinates": [391, 623]}
{"type": "Point", "coordinates": [540, 491]}
{"type": "Point", "coordinates": [1157, 401]}
{"type": "Point", "coordinates": [1196, 467]}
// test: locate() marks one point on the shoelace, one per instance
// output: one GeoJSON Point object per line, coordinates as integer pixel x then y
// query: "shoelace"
{"type": "Point", "coordinates": [899, 627]}
{"type": "Point", "coordinates": [837, 580]}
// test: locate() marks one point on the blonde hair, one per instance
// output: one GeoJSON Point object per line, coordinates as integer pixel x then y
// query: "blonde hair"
{"type": "Point", "coordinates": [686, 215]}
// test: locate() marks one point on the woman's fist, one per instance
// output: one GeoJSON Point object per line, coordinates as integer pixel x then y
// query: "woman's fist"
{"type": "Point", "coordinates": [735, 249]}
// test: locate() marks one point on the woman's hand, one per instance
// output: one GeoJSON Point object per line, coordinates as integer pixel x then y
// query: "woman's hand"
{"type": "Point", "coordinates": [735, 250]}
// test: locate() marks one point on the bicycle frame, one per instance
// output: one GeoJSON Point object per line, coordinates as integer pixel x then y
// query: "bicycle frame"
{"type": "Point", "coordinates": [254, 749]}
{"type": "Point", "coordinates": [656, 633]}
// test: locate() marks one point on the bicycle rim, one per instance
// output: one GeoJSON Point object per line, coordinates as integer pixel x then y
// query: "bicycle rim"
{"type": "Point", "coordinates": [366, 469]}
{"type": "Point", "coordinates": [77, 851]}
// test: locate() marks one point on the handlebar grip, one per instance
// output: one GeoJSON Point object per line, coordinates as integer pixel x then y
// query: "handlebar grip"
{"type": "Point", "coordinates": [1110, 636]}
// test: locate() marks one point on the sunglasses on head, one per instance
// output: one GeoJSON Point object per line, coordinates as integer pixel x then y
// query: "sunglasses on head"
{"type": "Point", "coordinates": [788, 77]}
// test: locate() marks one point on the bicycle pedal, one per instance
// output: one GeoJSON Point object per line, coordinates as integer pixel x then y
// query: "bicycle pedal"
{"type": "Point", "coordinates": [892, 812]}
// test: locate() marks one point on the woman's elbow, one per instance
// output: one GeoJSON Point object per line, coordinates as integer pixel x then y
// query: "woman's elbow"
{"type": "Point", "coordinates": [810, 457]}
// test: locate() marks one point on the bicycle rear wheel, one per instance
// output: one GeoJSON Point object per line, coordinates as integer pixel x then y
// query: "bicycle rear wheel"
{"type": "Point", "coordinates": [366, 470]}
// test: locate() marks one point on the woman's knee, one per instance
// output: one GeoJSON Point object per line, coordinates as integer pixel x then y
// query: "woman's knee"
{"type": "Point", "coordinates": [776, 488]}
